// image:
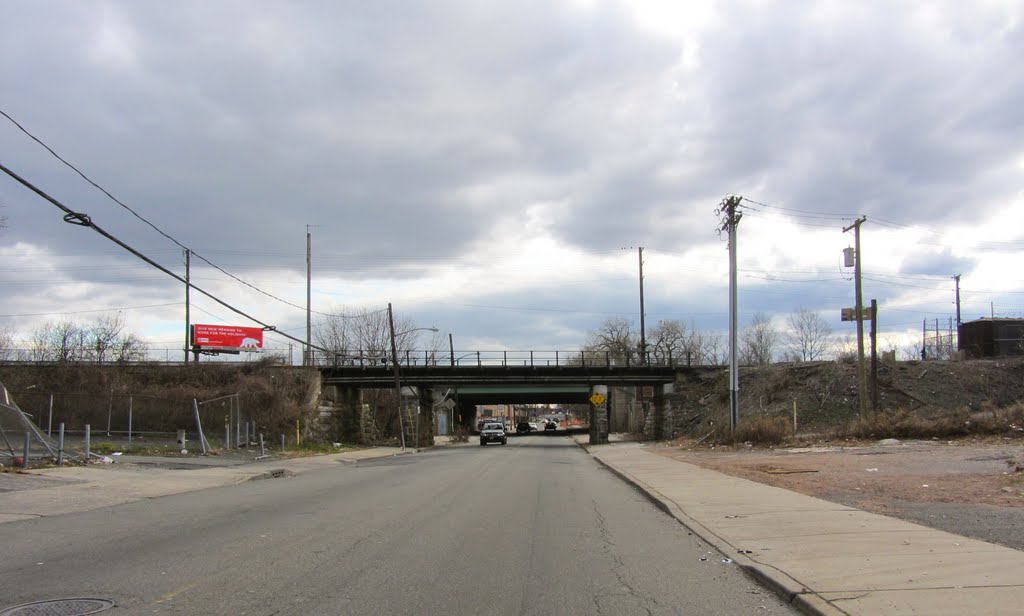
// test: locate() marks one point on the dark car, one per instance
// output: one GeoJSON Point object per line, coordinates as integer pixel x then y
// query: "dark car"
{"type": "Point", "coordinates": [523, 427]}
{"type": "Point", "coordinates": [493, 432]}
{"type": "Point", "coordinates": [550, 425]}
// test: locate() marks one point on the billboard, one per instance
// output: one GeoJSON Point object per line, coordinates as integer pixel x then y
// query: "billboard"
{"type": "Point", "coordinates": [227, 337]}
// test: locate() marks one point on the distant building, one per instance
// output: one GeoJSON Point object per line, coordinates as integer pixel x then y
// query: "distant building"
{"type": "Point", "coordinates": [991, 338]}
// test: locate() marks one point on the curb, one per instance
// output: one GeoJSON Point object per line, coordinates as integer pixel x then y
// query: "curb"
{"type": "Point", "coordinates": [785, 587]}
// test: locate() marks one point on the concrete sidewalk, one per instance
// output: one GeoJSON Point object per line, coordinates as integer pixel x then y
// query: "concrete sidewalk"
{"type": "Point", "coordinates": [56, 491]}
{"type": "Point", "coordinates": [823, 557]}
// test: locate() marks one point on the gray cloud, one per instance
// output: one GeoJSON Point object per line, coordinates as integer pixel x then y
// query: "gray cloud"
{"type": "Point", "coordinates": [408, 130]}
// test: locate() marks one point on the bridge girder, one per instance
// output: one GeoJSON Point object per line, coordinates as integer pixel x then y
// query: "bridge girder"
{"type": "Point", "coordinates": [470, 376]}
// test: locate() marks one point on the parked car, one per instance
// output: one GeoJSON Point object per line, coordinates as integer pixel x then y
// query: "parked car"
{"type": "Point", "coordinates": [522, 428]}
{"type": "Point", "coordinates": [493, 432]}
{"type": "Point", "coordinates": [534, 427]}
{"type": "Point", "coordinates": [550, 425]}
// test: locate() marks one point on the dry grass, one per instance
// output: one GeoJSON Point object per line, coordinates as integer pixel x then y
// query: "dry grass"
{"type": "Point", "coordinates": [903, 424]}
{"type": "Point", "coordinates": [761, 430]}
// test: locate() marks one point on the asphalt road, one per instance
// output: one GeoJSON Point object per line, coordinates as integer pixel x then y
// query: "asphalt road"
{"type": "Point", "coordinates": [534, 527]}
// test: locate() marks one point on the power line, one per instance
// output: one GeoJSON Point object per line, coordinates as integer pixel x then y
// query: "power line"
{"type": "Point", "coordinates": [83, 220]}
{"type": "Point", "coordinates": [121, 308]}
{"type": "Point", "coordinates": [140, 217]}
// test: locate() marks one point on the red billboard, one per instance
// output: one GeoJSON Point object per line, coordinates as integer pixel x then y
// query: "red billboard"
{"type": "Point", "coordinates": [227, 337]}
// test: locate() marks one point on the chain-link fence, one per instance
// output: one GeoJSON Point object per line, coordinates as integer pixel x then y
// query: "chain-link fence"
{"type": "Point", "coordinates": [48, 427]}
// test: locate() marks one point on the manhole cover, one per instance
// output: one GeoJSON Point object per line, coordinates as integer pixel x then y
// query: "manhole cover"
{"type": "Point", "coordinates": [60, 607]}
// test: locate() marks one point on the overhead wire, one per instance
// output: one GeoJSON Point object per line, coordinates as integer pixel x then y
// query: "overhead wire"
{"type": "Point", "coordinates": [143, 219]}
{"type": "Point", "coordinates": [118, 309]}
{"type": "Point", "coordinates": [81, 219]}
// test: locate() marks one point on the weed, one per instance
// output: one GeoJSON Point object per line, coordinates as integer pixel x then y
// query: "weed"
{"type": "Point", "coordinates": [762, 430]}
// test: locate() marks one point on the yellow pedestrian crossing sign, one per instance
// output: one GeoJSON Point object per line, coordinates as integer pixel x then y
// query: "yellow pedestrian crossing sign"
{"type": "Point", "coordinates": [597, 399]}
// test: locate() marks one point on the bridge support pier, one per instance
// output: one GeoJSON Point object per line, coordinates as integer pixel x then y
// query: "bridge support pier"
{"type": "Point", "coordinates": [663, 416]}
{"type": "Point", "coordinates": [425, 417]}
{"type": "Point", "coordinates": [349, 420]}
{"type": "Point", "coordinates": [599, 415]}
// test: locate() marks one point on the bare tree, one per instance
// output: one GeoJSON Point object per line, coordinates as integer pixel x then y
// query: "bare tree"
{"type": "Point", "coordinates": [758, 341]}
{"type": "Point", "coordinates": [105, 336]}
{"type": "Point", "coordinates": [61, 342]}
{"type": "Point", "coordinates": [334, 331]}
{"type": "Point", "coordinates": [8, 351]}
{"type": "Point", "coordinates": [365, 335]}
{"type": "Point", "coordinates": [809, 335]}
{"type": "Point", "coordinates": [70, 342]}
{"type": "Point", "coordinates": [613, 339]}
{"type": "Point", "coordinates": [672, 340]}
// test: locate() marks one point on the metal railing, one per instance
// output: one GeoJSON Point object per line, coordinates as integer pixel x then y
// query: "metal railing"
{"type": "Point", "coordinates": [502, 358]}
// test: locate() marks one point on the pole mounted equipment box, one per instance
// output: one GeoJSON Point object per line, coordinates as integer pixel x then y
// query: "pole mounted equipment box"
{"type": "Point", "coordinates": [849, 257]}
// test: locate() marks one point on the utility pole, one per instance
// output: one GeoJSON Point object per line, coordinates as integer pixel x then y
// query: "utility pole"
{"type": "Point", "coordinates": [874, 358]}
{"type": "Point", "coordinates": [451, 348]}
{"type": "Point", "coordinates": [643, 329]}
{"type": "Point", "coordinates": [398, 378]}
{"type": "Point", "coordinates": [730, 220]}
{"type": "Point", "coordinates": [958, 321]}
{"type": "Point", "coordinates": [188, 303]}
{"type": "Point", "coordinates": [859, 308]}
{"type": "Point", "coordinates": [307, 358]}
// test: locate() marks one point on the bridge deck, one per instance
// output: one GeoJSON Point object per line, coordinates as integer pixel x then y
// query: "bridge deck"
{"type": "Point", "coordinates": [466, 376]}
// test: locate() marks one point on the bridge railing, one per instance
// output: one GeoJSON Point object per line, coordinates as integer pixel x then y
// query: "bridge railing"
{"type": "Point", "coordinates": [502, 358]}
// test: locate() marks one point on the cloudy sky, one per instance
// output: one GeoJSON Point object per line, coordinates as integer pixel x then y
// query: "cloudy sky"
{"type": "Point", "coordinates": [491, 167]}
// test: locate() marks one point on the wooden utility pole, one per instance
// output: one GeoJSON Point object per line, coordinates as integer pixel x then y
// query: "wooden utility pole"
{"type": "Point", "coordinates": [188, 303]}
{"type": "Point", "coordinates": [874, 358]}
{"type": "Point", "coordinates": [862, 388]}
{"type": "Point", "coordinates": [643, 329]}
{"type": "Point", "coordinates": [307, 358]}
{"type": "Point", "coordinates": [398, 381]}
{"type": "Point", "coordinates": [957, 280]}
{"type": "Point", "coordinates": [730, 220]}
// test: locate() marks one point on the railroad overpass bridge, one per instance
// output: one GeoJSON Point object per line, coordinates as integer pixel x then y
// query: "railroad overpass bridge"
{"type": "Point", "coordinates": [505, 377]}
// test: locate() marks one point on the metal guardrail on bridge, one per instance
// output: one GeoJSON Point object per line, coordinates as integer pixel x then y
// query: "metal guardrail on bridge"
{"type": "Point", "coordinates": [503, 358]}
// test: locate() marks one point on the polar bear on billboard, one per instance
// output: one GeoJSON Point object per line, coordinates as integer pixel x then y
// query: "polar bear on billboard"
{"type": "Point", "coordinates": [250, 343]}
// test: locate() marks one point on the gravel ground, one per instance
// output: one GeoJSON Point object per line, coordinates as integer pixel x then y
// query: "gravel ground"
{"type": "Point", "coordinates": [963, 487]}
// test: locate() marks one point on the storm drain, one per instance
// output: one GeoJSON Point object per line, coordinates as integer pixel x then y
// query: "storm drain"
{"type": "Point", "coordinates": [60, 607]}
{"type": "Point", "coordinates": [271, 474]}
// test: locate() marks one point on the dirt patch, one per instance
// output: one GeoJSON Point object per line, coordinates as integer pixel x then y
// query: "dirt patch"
{"type": "Point", "coordinates": [972, 487]}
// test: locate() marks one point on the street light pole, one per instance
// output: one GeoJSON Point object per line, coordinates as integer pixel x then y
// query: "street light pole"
{"type": "Point", "coordinates": [398, 378]}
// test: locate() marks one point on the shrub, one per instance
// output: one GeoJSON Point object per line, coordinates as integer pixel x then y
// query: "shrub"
{"type": "Point", "coordinates": [762, 430]}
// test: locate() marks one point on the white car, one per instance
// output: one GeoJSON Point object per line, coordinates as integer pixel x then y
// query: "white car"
{"type": "Point", "coordinates": [534, 427]}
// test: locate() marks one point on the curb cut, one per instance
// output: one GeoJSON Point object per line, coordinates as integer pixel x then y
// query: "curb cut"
{"type": "Point", "coordinates": [785, 587]}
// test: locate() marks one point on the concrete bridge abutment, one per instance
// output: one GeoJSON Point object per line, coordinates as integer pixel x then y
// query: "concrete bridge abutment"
{"type": "Point", "coordinates": [599, 414]}
{"type": "Point", "coordinates": [661, 422]}
{"type": "Point", "coordinates": [344, 416]}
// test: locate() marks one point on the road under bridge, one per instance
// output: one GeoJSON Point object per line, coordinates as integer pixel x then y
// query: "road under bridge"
{"type": "Point", "coordinates": [459, 389]}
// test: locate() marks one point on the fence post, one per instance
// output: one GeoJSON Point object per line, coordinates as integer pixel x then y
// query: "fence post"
{"type": "Point", "coordinates": [28, 448]}
{"type": "Point", "coordinates": [238, 421]}
{"type": "Point", "coordinates": [110, 409]}
{"type": "Point", "coordinates": [199, 425]}
{"type": "Point", "coordinates": [49, 424]}
{"type": "Point", "coordinates": [87, 437]}
{"type": "Point", "coordinates": [131, 403]}
{"type": "Point", "coordinates": [60, 445]}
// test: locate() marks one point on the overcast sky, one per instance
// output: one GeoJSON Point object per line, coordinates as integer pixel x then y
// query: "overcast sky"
{"type": "Point", "coordinates": [491, 167]}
